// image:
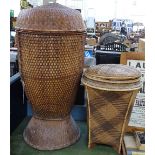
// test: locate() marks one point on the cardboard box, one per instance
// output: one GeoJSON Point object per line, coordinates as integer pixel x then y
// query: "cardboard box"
{"type": "Point", "coordinates": [141, 45]}
{"type": "Point", "coordinates": [91, 41]}
{"type": "Point", "coordinates": [130, 146]}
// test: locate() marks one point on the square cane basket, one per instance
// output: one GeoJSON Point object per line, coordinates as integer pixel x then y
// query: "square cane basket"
{"type": "Point", "coordinates": [111, 91]}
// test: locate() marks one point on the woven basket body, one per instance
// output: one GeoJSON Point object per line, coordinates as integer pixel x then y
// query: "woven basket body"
{"type": "Point", "coordinates": [50, 61]}
{"type": "Point", "coordinates": [110, 101]}
{"type": "Point", "coordinates": [51, 66]}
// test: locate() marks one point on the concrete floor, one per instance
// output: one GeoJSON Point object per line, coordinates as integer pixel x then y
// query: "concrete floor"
{"type": "Point", "coordinates": [19, 147]}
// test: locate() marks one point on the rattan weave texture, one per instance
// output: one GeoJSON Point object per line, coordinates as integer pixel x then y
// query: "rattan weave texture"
{"type": "Point", "coordinates": [50, 42]}
{"type": "Point", "coordinates": [107, 112]}
{"type": "Point", "coordinates": [51, 66]}
{"type": "Point", "coordinates": [112, 77]}
{"type": "Point", "coordinates": [51, 17]}
{"type": "Point", "coordinates": [110, 101]}
{"type": "Point", "coordinates": [112, 85]}
{"type": "Point", "coordinates": [111, 72]}
{"type": "Point", "coordinates": [39, 133]}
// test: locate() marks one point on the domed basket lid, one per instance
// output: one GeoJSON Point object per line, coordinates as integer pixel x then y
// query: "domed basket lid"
{"type": "Point", "coordinates": [51, 17]}
{"type": "Point", "coordinates": [112, 72]}
{"type": "Point", "coordinates": [114, 77]}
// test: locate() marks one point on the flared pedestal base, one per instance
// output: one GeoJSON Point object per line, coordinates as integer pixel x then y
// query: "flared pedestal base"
{"type": "Point", "coordinates": [51, 134]}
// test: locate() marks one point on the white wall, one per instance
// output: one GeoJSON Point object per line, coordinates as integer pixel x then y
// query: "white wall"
{"type": "Point", "coordinates": [15, 5]}
{"type": "Point", "coordinates": [109, 9]}
{"type": "Point", "coordinates": [102, 10]}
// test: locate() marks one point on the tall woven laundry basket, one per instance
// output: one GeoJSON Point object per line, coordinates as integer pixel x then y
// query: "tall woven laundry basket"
{"type": "Point", "coordinates": [111, 91]}
{"type": "Point", "coordinates": [50, 41]}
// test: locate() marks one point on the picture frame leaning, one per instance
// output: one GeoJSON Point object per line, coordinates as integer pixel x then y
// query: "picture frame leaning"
{"type": "Point", "coordinates": [137, 118]}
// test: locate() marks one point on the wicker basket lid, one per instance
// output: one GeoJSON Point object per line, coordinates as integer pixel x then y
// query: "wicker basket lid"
{"type": "Point", "coordinates": [112, 72]}
{"type": "Point", "coordinates": [51, 17]}
{"type": "Point", "coordinates": [112, 77]}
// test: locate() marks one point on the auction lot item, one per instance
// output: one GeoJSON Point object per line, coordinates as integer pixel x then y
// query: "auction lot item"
{"type": "Point", "coordinates": [50, 41]}
{"type": "Point", "coordinates": [111, 91]}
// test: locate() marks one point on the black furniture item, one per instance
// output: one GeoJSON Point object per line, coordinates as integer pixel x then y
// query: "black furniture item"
{"type": "Point", "coordinates": [80, 96]}
{"type": "Point", "coordinates": [118, 47]}
{"type": "Point", "coordinates": [107, 57]}
{"type": "Point", "coordinates": [18, 107]}
{"type": "Point", "coordinates": [109, 53]}
{"type": "Point", "coordinates": [14, 68]}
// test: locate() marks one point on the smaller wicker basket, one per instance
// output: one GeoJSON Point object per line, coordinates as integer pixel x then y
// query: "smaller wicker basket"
{"type": "Point", "coordinates": [111, 91]}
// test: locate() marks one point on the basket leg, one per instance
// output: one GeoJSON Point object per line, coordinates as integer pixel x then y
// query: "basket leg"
{"type": "Point", "coordinates": [51, 134]}
{"type": "Point", "coordinates": [91, 145]}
